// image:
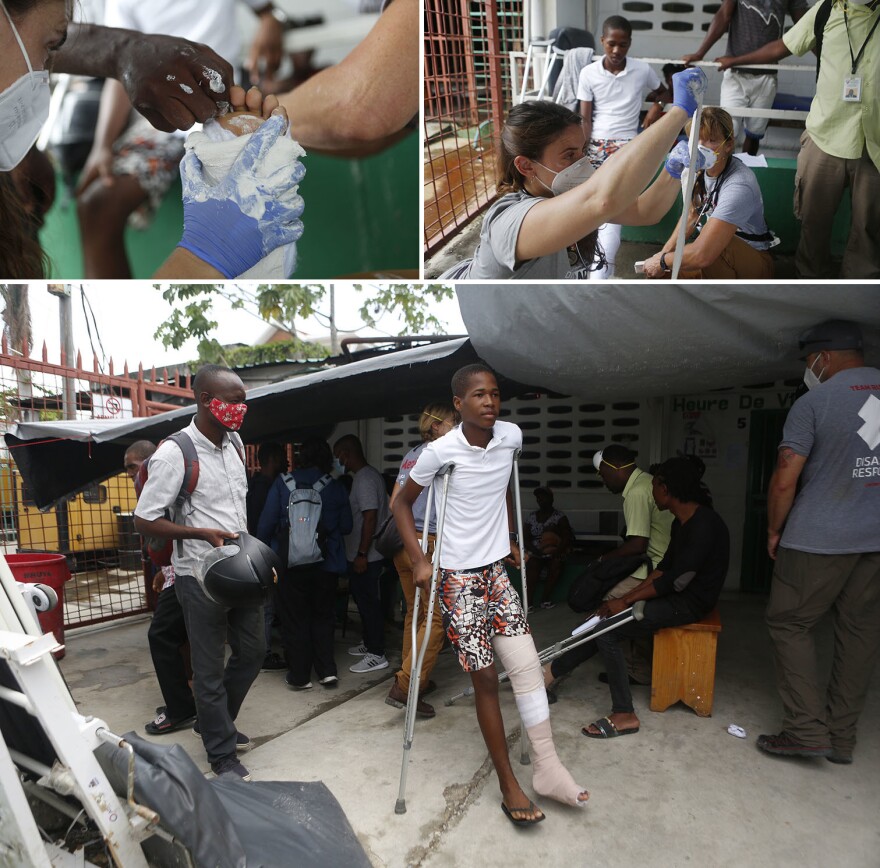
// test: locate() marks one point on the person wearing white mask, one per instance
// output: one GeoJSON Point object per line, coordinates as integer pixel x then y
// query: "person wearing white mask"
{"type": "Point", "coordinates": [823, 534]}
{"type": "Point", "coordinates": [727, 234]}
{"type": "Point", "coordinates": [32, 33]}
{"type": "Point", "coordinates": [840, 147]}
{"type": "Point", "coordinates": [545, 224]}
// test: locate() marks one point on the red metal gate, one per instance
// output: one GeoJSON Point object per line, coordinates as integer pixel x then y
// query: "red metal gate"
{"type": "Point", "coordinates": [467, 94]}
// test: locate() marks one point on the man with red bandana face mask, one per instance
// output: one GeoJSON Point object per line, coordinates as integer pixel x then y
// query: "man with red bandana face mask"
{"type": "Point", "coordinates": [215, 512]}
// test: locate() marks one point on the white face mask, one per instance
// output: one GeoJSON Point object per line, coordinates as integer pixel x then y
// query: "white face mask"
{"type": "Point", "coordinates": [709, 157]}
{"type": "Point", "coordinates": [338, 467]}
{"type": "Point", "coordinates": [570, 177]}
{"type": "Point", "coordinates": [24, 108]}
{"type": "Point", "coordinates": [811, 378]}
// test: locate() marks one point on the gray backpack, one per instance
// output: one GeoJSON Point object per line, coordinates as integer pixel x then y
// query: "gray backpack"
{"type": "Point", "coordinates": [304, 516]}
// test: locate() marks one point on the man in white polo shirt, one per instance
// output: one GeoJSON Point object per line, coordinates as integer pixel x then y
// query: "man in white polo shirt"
{"type": "Point", "coordinates": [610, 93]}
{"type": "Point", "coordinates": [482, 613]}
{"type": "Point", "coordinates": [215, 512]}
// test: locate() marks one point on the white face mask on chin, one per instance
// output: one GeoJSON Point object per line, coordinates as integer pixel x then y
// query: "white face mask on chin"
{"type": "Point", "coordinates": [811, 378]}
{"type": "Point", "coordinates": [570, 177]}
{"type": "Point", "coordinates": [24, 108]}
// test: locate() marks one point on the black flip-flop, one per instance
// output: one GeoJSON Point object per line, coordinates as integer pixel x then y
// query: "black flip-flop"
{"type": "Point", "coordinates": [607, 729]}
{"type": "Point", "coordinates": [523, 821]}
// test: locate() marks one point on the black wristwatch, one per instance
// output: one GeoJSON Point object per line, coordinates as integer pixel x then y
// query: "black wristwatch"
{"type": "Point", "coordinates": [514, 537]}
{"type": "Point", "coordinates": [361, 554]}
{"type": "Point", "coordinates": [663, 264]}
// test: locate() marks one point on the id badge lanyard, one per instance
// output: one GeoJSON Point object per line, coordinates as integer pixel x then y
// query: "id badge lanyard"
{"type": "Point", "coordinates": [852, 86]}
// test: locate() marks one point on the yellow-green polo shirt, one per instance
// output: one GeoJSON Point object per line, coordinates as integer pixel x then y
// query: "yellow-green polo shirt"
{"type": "Point", "coordinates": [643, 518]}
{"type": "Point", "coordinates": [840, 128]}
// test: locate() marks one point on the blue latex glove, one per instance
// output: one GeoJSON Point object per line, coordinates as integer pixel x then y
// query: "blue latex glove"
{"type": "Point", "coordinates": [680, 158]}
{"type": "Point", "coordinates": [235, 224]}
{"type": "Point", "coordinates": [687, 87]}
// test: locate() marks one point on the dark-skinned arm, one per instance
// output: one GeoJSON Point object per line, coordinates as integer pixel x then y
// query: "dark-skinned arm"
{"type": "Point", "coordinates": [151, 68]}
{"type": "Point", "coordinates": [772, 52]}
{"type": "Point", "coordinates": [717, 28]}
{"type": "Point", "coordinates": [368, 531]}
{"type": "Point", "coordinates": [643, 591]}
{"type": "Point", "coordinates": [166, 529]}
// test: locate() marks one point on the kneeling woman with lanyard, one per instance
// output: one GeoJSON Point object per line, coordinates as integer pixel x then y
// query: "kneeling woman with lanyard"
{"type": "Point", "coordinates": [729, 236]}
{"type": "Point", "coordinates": [545, 225]}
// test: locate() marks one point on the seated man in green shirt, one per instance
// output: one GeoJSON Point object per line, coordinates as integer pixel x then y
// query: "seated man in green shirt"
{"type": "Point", "coordinates": [841, 145]}
{"type": "Point", "coordinates": [647, 533]}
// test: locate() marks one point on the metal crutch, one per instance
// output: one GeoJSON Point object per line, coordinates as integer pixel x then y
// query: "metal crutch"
{"type": "Point", "coordinates": [517, 503]}
{"type": "Point", "coordinates": [557, 649]}
{"type": "Point", "coordinates": [415, 675]}
{"type": "Point", "coordinates": [687, 188]}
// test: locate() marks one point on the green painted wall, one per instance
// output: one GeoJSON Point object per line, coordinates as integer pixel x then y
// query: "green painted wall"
{"type": "Point", "coordinates": [360, 215]}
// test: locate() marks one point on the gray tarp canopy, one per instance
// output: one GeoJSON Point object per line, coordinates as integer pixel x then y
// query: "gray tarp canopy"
{"type": "Point", "coordinates": [592, 341]}
{"type": "Point", "coordinates": [58, 459]}
{"type": "Point", "coordinates": [608, 340]}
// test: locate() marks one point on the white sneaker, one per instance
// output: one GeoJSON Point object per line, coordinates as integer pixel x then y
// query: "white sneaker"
{"type": "Point", "coordinates": [358, 650]}
{"type": "Point", "coordinates": [370, 663]}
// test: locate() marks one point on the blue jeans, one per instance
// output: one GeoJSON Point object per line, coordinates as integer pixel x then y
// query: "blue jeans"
{"type": "Point", "coordinates": [220, 689]}
{"type": "Point", "coordinates": [365, 590]}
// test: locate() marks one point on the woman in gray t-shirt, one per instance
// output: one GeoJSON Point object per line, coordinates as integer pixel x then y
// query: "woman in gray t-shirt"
{"type": "Point", "coordinates": [729, 236]}
{"type": "Point", "coordinates": [545, 224]}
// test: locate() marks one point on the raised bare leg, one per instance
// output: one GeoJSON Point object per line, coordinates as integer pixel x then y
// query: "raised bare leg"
{"type": "Point", "coordinates": [485, 683]}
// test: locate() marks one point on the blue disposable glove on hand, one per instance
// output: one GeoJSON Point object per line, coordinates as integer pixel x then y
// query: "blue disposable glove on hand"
{"type": "Point", "coordinates": [238, 222]}
{"type": "Point", "coordinates": [687, 88]}
{"type": "Point", "coordinates": [680, 158]}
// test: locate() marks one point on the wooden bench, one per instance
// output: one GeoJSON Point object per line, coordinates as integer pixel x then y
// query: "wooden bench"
{"type": "Point", "coordinates": [684, 665]}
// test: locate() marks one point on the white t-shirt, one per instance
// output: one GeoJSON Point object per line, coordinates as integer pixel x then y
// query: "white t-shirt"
{"type": "Point", "coordinates": [213, 23]}
{"type": "Point", "coordinates": [617, 99]}
{"type": "Point", "coordinates": [475, 532]}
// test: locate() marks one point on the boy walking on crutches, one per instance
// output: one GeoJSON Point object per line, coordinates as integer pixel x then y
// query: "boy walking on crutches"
{"type": "Point", "coordinates": [481, 612]}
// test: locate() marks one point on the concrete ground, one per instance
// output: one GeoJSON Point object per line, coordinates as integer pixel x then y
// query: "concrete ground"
{"type": "Point", "coordinates": [462, 246]}
{"type": "Point", "coordinates": [680, 791]}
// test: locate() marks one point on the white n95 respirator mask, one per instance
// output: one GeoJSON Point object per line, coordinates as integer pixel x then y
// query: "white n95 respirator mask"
{"type": "Point", "coordinates": [24, 108]}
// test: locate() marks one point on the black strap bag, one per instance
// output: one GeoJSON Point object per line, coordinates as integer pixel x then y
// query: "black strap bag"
{"type": "Point", "coordinates": [387, 538]}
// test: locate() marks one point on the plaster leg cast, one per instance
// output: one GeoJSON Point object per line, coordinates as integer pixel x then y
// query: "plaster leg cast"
{"type": "Point", "coordinates": [550, 777]}
{"type": "Point", "coordinates": [219, 144]}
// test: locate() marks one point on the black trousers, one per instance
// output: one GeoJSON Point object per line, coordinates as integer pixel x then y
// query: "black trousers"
{"type": "Point", "coordinates": [167, 635]}
{"type": "Point", "coordinates": [305, 601]}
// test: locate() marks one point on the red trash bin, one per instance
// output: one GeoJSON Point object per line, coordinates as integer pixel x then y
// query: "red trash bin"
{"type": "Point", "coordinates": [45, 569]}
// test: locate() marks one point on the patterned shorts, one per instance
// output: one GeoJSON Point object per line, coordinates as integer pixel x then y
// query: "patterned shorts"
{"type": "Point", "coordinates": [153, 158]}
{"type": "Point", "coordinates": [601, 149]}
{"type": "Point", "coordinates": [477, 605]}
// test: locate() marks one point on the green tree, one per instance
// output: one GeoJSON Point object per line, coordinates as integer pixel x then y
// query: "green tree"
{"type": "Point", "coordinates": [282, 304]}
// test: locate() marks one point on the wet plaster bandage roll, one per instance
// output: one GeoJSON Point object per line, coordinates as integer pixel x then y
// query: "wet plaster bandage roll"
{"type": "Point", "coordinates": [218, 148]}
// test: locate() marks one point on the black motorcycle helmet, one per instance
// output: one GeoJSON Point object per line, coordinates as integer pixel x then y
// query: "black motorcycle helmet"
{"type": "Point", "coordinates": [241, 572]}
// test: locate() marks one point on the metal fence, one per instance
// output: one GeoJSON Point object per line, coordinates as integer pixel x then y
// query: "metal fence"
{"type": "Point", "coordinates": [467, 94]}
{"type": "Point", "coordinates": [94, 530]}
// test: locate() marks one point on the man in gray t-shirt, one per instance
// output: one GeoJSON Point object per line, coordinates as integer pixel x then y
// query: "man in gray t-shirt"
{"type": "Point", "coordinates": [369, 508]}
{"type": "Point", "coordinates": [823, 529]}
{"type": "Point", "coordinates": [750, 25]}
